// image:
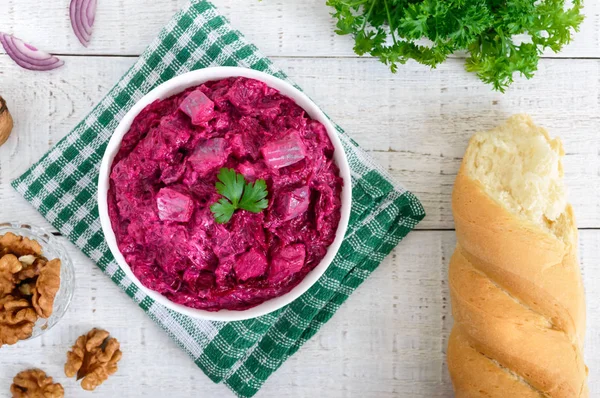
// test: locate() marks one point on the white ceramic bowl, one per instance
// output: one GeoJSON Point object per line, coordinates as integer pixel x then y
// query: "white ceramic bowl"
{"type": "Point", "coordinates": [175, 86]}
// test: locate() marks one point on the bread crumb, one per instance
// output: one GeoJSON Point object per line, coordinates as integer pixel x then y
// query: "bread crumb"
{"type": "Point", "coordinates": [520, 166]}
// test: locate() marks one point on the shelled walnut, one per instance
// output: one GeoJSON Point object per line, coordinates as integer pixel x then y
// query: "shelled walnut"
{"type": "Point", "coordinates": [31, 267]}
{"type": "Point", "coordinates": [20, 245]}
{"type": "Point", "coordinates": [28, 286]}
{"type": "Point", "coordinates": [46, 287]}
{"type": "Point", "coordinates": [6, 122]}
{"type": "Point", "coordinates": [34, 383]}
{"type": "Point", "coordinates": [93, 358]}
{"type": "Point", "coordinates": [9, 267]}
{"type": "Point", "coordinates": [17, 318]}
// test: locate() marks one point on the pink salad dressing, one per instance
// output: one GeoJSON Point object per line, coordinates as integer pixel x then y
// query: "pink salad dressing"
{"type": "Point", "coordinates": [162, 184]}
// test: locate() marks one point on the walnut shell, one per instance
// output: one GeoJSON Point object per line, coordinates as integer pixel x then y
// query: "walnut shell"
{"type": "Point", "coordinates": [93, 358]}
{"type": "Point", "coordinates": [34, 383]}
{"type": "Point", "coordinates": [6, 122]}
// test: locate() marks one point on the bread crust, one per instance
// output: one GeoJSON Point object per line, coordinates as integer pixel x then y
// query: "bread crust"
{"type": "Point", "coordinates": [517, 301]}
{"type": "Point", "coordinates": [475, 375]}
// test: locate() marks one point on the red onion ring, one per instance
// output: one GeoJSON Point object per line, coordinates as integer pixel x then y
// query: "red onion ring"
{"type": "Point", "coordinates": [83, 15]}
{"type": "Point", "coordinates": [27, 56]}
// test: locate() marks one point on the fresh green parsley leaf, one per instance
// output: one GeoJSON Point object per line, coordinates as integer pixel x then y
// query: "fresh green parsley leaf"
{"type": "Point", "coordinates": [254, 198]}
{"type": "Point", "coordinates": [230, 185]}
{"type": "Point", "coordinates": [222, 210]}
{"type": "Point", "coordinates": [484, 29]}
{"type": "Point", "coordinates": [238, 194]}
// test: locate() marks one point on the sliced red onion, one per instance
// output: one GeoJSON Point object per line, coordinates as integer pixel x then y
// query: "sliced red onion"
{"type": "Point", "coordinates": [27, 56]}
{"type": "Point", "coordinates": [83, 14]}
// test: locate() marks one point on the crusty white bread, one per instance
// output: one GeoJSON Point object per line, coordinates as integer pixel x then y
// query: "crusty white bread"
{"type": "Point", "coordinates": [516, 289]}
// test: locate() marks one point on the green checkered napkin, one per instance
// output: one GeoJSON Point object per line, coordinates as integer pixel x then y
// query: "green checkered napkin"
{"type": "Point", "coordinates": [62, 186]}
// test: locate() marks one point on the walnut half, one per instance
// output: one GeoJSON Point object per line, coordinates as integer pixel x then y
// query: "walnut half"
{"type": "Point", "coordinates": [46, 287]}
{"type": "Point", "coordinates": [17, 318]}
{"type": "Point", "coordinates": [34, 383]}
{"type": "Point", "coordinates": [9, 267]}
{"type": "Point", "coordinates": [93, 358]}
{"type": "Point", "coordinates": [19, 245]}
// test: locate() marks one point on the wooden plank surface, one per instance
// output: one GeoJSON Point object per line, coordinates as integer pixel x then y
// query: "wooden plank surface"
{"type": "Point", "coordinates": [403, 355]}
{"type": "Point", "coordinates": [416, 123]}
{"type": "Point", "coordinates": [278, 27]}
{"type": "Point", "coordinates": [388, 340]}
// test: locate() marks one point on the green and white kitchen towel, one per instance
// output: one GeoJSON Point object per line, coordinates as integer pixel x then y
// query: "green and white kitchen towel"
{"type": "Point", "coordinates": [62, 186]}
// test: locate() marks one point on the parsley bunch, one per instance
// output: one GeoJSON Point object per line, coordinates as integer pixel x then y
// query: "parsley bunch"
{"type": "Point", "coordinates": [238, 194]}
{"type": "Point", "coordinates": [485, 29]}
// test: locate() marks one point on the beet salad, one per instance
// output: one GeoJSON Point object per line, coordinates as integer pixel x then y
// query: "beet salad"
{"type": "Point", "coordinates": [225, 195]}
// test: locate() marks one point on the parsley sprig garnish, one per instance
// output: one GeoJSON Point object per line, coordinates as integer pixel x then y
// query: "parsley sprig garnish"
{"type": "Point", "coordinates": [483, 28]}
{"type": "Point", "coordinates": [238, 194]}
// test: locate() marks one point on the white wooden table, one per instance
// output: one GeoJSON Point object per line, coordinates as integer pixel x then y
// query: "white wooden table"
{"type": "Point", "coordinates": [389, 339]}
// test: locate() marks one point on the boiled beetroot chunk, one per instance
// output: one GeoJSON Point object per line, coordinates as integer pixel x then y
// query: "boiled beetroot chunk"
{"type": "Point", "coordinates": [250, 265]}
{"type": "Point", "coordinates": [286, 261]}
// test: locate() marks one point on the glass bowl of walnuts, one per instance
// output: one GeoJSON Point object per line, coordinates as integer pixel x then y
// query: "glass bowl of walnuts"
{"type": "Point", "coordinates": [37, 281]}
